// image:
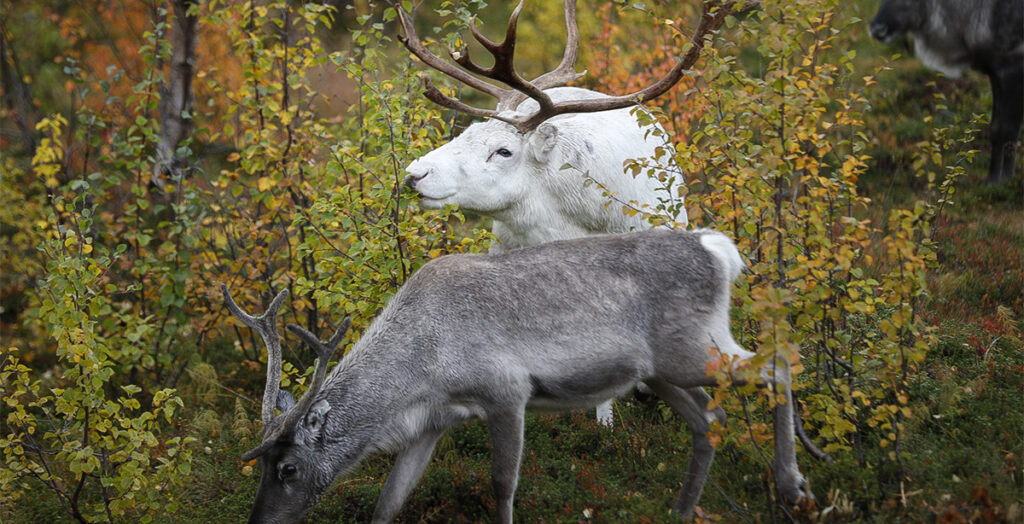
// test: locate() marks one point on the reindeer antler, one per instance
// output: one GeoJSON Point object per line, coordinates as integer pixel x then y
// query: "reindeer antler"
{"type": "Point", "coordinates": [714, 14]}
{"type": "Point", "coordinates": [266, 326]}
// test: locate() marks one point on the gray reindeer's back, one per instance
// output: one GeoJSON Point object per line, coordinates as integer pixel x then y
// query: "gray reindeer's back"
{"type": "Point", "coordinates": [580, 282]}
{"type": "Point", "coordinates": [537, 312]}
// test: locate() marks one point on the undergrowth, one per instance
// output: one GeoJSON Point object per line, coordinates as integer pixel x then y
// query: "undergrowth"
{"type": "Point", "coordinates": [965, 459]}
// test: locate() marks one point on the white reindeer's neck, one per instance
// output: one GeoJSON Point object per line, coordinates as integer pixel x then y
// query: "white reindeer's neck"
{"type": "Point", "coordinates": [532, 222]}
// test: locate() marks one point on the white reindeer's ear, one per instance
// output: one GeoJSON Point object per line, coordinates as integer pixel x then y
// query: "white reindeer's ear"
{"type": "Point", "coordinates": [542, 141]}
{"type": "Point", "coordinates": [317, 416]}
{"type": "Point", "coordinates": [285, 401]}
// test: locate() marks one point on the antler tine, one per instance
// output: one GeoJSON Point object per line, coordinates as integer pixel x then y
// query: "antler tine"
{"type": "Point", "coordinates": [436, 96]}
{"type": "Point", "coordinates": [572, 42]}
{"type": "Point", "coordinates": [246, 318]}
{"type": "Point", "coordinates": [712, 17]}
{"type": "Point", "coordinates": [509, 44]}
{"type": "Point", "coordinates": [324, 350]}
{"type": "Point", "coordinates": [288, 421]}
{"type": "Point", "coordinates": [339, 333]}
{"type": "Point", "coordinates": [504, 69]}
{"type": "Point", "coordinates": [566, 70]}
{"type": "Point", "coordinates": [412, 42]}
{"type": "Point", "coordinates": [266, 326]}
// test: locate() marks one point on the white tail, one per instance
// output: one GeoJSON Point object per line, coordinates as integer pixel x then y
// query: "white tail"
{"type": "Point", "coordinates": [725, 251]}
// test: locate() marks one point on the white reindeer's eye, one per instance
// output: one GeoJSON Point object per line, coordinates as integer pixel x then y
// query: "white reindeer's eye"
{"type": "Point", "coordinates": [501, 151]}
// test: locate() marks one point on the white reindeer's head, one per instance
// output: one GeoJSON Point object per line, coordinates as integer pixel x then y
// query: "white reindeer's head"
{"type": "Point", "coordinates": [493, 164]}
{"type": "Point", "coordinates": [485, 169]}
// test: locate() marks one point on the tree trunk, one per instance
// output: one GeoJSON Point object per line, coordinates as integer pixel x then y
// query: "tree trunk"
{"type": "Point", "coordinates": [16, 94]}
{"type": "Point", "coordinates": [176, 93]}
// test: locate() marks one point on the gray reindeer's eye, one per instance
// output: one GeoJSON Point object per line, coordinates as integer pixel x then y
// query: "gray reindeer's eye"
{"type": "Point", "coordinates": [288, 470]}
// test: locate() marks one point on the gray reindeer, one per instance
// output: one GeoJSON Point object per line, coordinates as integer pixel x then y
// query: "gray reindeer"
{"type": "Point", "coordinates": [953, 35]}
{"type": "Point", "coordinates": [557, 326]}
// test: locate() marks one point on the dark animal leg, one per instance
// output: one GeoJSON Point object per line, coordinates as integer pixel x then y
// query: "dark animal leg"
{"type": "Point", "coordinates": [791, 484]}
{"type": "Point", "coordinates": [1007, 113]}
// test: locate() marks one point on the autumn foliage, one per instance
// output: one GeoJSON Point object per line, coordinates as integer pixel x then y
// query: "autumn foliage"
{"type": "Point", "coordinates": [124, 380]}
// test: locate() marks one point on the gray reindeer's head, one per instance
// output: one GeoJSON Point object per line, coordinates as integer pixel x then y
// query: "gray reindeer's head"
{"type": "Point", "coordinates": [293, 472]}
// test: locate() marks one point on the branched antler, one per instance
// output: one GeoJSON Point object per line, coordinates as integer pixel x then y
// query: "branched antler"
{"type": "Point", "coordinates": [712, 17]}
{"type": "Point", "coordinates": [503, 69]}
{"type": "Point", "coordinates": [266, 326]}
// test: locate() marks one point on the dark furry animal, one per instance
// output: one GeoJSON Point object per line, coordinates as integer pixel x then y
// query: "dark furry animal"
{"type": "Point", "coordinates": [953, 35]}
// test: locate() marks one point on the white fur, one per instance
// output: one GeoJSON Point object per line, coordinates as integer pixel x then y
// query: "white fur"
{"type": "Point", "coordinates": [723, 248]}
{"type": "Point", "coordinates": [531, 198]}
{"type": "Point", "coordinates": [938, 59]}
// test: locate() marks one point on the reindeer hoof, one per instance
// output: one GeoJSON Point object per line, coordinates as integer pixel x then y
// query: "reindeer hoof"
{"type": "Point", "coordinates": [797, 493]}
{"type": "Point", "coordinates": [805, 491]}
{"type": "Point", "coordinates": [805, 506]}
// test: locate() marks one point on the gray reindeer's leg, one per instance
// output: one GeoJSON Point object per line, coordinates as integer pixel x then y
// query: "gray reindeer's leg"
{"type": "Point", "coordinates": [506, 428]}
{"type": "Point", "coordinates": [408, 468]}
{"type": "Point", "coordinates": [691, 403]}
{"type": "Point", "coordinates": [791, 484]}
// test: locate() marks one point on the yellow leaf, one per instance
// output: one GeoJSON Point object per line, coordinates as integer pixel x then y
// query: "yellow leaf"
{"type": "Point", "coordinates": [264, 183]}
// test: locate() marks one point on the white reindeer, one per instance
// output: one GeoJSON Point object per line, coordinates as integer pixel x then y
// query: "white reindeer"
{"type": "Point", "coordinates": [560, 325]}
{"type": "Point", "coordinates": [527, 167]}
{"type": "Point", "coordinates": [534, 186]}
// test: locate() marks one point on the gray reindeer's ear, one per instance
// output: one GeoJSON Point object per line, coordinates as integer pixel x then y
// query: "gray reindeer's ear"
{"type": "Point", "coordinates": [317, 416]}
{"type": "Point", "coordinates": [285, 401]}
{"type": "Point", "coordinates": [542, 141]}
